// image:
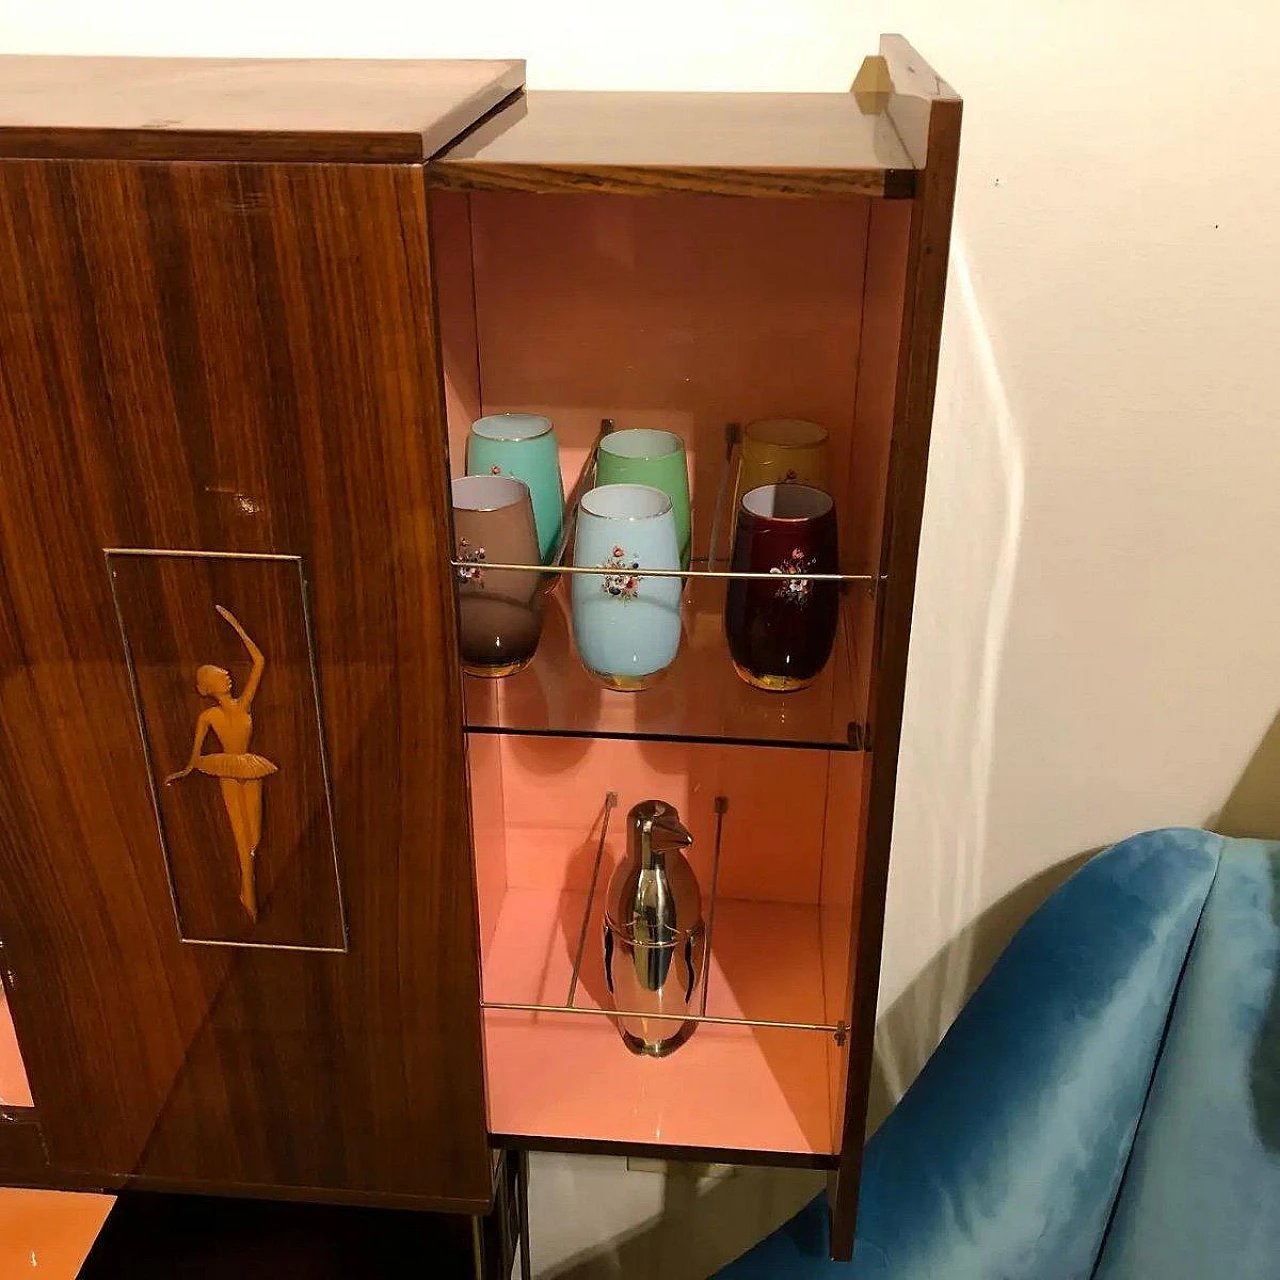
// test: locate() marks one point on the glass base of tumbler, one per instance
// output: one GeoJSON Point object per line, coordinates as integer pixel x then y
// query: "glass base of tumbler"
{"type": "Point", "coordinates": [496, 673]}
{"type": "Point", "coordinates": [774, 684]}
{"type": "Point", "coordinates": [628, 684]}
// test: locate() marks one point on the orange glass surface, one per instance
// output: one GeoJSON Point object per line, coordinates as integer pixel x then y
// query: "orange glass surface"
{"type": "Point", "coordinates": [48, 1234]}
{"type": "Point", "coordinates": [565, 1076]}
{"type": "Point", "coordinates": [14, 1089]}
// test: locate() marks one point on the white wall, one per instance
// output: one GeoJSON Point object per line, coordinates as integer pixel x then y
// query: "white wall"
{"type": "Point", "coordinates": [1098, 644]}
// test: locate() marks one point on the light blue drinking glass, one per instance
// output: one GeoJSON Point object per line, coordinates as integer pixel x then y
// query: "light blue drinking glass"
{"type": "Point", "coordinates": [626, 624]}
{"type": "Point", "coordinates": [523, 445]}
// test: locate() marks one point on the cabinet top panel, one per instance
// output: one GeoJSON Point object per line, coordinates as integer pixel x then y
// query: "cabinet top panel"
{"type": "Point", "coordinates": [243, 109]}
{"type": "Point", "coordinates": [788, 144]}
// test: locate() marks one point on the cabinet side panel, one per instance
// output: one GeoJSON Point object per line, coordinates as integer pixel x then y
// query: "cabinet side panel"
{"type": "Point", "coordinates": [926, 275]}
{"type": "Point", "coordinates": [233, 359]}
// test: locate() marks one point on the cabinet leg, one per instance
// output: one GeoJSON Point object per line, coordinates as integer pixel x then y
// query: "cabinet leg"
{"type": "Point", "coordinates": [522, 1185]}
{"type": "Point", "coordinates": [477, 1249]}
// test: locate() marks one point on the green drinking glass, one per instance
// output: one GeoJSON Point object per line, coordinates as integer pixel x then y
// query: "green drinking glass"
{"type": "Point", "coordinates": [656, 458]}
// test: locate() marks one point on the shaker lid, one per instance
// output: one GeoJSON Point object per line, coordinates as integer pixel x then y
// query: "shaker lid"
{"type": "Point", "coordinates": [653, 897]}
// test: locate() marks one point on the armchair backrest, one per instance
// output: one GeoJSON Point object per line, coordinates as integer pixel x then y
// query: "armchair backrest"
{"type": "Point", "coordinates": [1005, 1157]}
{"type": "Point", "coordinates": [1201, 1195]}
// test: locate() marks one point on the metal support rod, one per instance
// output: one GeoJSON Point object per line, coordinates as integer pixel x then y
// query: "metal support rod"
{"type": "Point", "coordinates": [610, 803]}
{"type": "Point", "coordinates": [667, 573]}
{"type": "Point", "coordinates": [837, 1029]}
{"type": "Point", "coordinates": [586, 479]}
{"type": "Point", "coordinates": [477, 1249]}
{"type": "Point", "coordinates": [833, 1028]}
{"type": "Point", "coordinates": [732, 433]}
{"type": "Point", "coordinates": [722, 807]}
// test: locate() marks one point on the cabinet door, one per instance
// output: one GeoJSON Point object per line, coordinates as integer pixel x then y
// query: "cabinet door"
{"type": "Point", "coordinates": [264, 973]}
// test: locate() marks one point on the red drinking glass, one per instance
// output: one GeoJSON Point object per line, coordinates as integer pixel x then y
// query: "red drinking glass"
{"type": "Point", "coordinates": [781, 632]}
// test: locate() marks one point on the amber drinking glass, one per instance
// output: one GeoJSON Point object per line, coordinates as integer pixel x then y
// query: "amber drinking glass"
{"type": "Point", "coordinates": [782, 451]}
{"type": "Point", "coordinates": [500, 609]}
{"type": "Point", "coordinates": [781, 629]}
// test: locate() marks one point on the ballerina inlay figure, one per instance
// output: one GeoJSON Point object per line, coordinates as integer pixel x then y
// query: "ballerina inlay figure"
{"type": "Point", "coordinates": [239, 772]}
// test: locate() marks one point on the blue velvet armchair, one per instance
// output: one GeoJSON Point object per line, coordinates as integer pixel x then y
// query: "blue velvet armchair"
{"type": "Point", "coordinates": [1106, 1106]}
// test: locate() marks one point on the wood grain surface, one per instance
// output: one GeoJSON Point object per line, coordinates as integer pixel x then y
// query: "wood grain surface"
{"type": "Point", "coordinates": [774, 144]}
{"type": "Point", "coordinates": [244, 108]}
{"type": "Point", "coordinates": [926, 278]}
{"type": "Point", "coordinates": [233, 358]}
{"type": "Point", "coordinates": [23, 1158]}
{"type": "Point", "coordinates": [917, 87]}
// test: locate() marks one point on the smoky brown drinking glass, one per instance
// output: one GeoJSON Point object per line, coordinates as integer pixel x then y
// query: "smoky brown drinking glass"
{"type": "Point", "coordinates": [500, 610]}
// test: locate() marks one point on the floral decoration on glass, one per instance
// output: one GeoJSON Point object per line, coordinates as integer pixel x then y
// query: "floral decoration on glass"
{"type": "Point", "coordinates": [624, 584]}
{"type": "Point", "coordinates": [795, 589]}
{"type": "Point", "coordinates": [472, 570]}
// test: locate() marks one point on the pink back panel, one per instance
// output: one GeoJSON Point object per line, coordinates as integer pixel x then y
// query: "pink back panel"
{"type": "Point", "coordinates": [554, 791]}
{"type": "Point", "coordinates": [767, 957]}
{"type": "Point", "coordinates": [488, 831]}
{"type": "Point", "coordinates": [677, 312]}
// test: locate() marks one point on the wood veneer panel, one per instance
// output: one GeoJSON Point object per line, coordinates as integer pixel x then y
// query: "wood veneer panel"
{"type": "Point", "coordinates": [243, 108]}
{"type": "Point", "coordinates": [776, 144]}
{"type": "Point", "coordinates": [926, 277]}
{"type": "Point", "coordinates": [233, 358]}
{"type": "Point", "coordinates": [23, 1159]}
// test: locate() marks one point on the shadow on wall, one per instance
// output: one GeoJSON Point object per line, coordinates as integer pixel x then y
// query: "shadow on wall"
{"type": "Point", "coordinates": [946, 983]}
{"type": "Point", "coordinates": [707, 1216]}
{"type": "Point", "coordinates": [942, 866]}
{"type": "Point", "coordinates": [950, 978]}
{"type": "Point", "coordinates": [1253, 807]}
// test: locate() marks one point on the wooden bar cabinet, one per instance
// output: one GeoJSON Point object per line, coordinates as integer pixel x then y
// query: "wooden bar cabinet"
{"type": "Point", "coordinates": [347, 947]}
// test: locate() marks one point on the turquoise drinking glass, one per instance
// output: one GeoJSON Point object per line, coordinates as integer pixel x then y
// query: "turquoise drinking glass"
{"type": "Point", "coordinates": [523, 445]}
{"type": "Point", "coordinates": [642, 456]}
{"type": "Point", "coordinates": [626, 625]}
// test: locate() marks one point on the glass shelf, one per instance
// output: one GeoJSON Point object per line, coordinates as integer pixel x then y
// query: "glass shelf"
{"type": "Point", "coordinates": [700, 699]}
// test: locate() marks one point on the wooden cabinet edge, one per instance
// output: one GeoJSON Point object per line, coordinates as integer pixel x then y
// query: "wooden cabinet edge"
{"type": "Point", "coordinates": [931, 216]}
